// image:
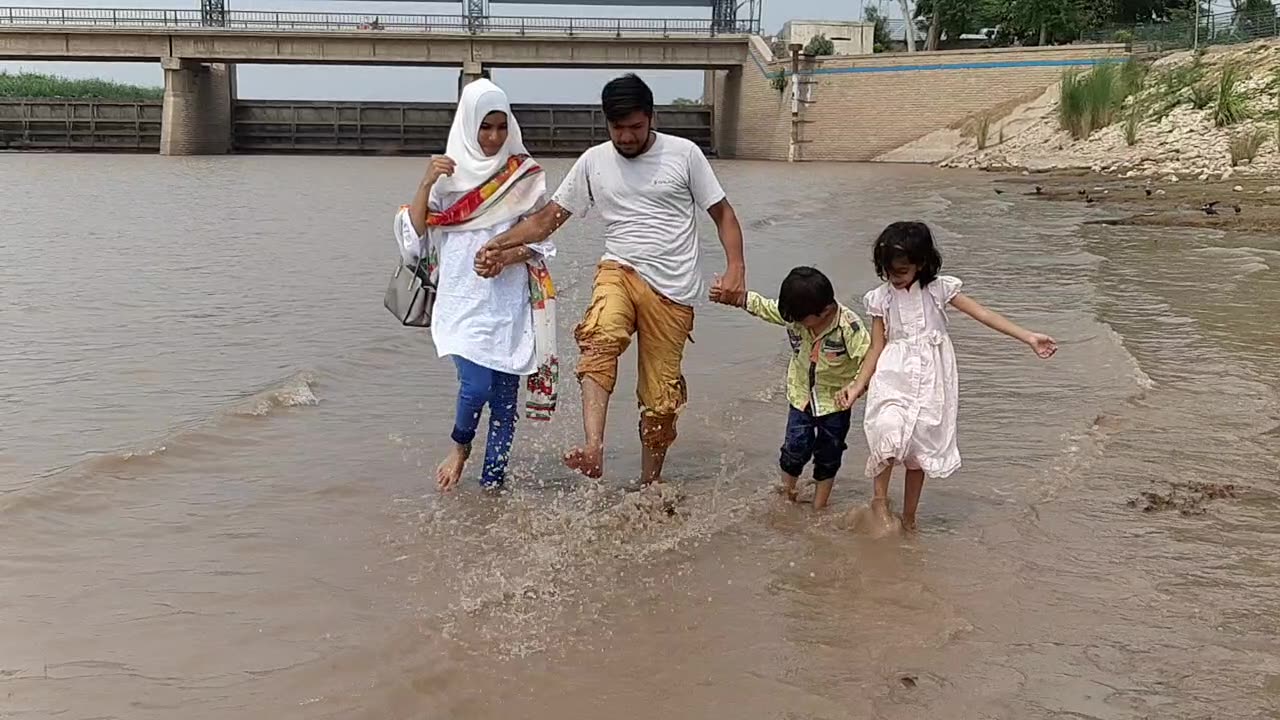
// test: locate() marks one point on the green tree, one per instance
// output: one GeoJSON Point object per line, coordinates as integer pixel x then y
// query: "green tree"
{"type": "Point", "coordinates": [684, 102]}
{"type": "Point", "coordinates": [953, 18]}
{"type": "Point", "coordinates": [1128, 12]}
{"type": "Point", "coordinates": [882, 37]}
{"type": "Point", "coordinates": [1042, 22]}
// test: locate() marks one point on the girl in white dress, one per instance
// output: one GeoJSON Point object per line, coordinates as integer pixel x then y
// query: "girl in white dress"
{"type": "Point", "coordinates": [909, 374]}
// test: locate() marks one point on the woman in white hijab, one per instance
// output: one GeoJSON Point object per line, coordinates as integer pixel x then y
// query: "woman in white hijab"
{"type": "Point", "coordinates": [495, 330]}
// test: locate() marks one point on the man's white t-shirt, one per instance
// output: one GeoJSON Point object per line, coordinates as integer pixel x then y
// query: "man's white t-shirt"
{"type": "Point", "coordinates": [648, 204]}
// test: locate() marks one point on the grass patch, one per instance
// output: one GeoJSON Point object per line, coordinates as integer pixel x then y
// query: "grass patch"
{"type": "Point", "coordinates": [37, 85]}
{"type": "Point", "coordinates": [1132, 75]}
{"type": "Point", "coordinates": [1133, 121]}
{"type": "Point", "coordinates": [1073, 107]}
{"type": "Point", "coordinates": [1245, 145]}
{"type": "Point", "coordinates": [1203, 95]}
{"type": "Point", "coordinates": [1094, 100]}
{"type": "Point", "coordinates": [983, 131]}
{"type": "Point", "coordinates": [1176, 86]}
{"type": "Point", "coordinates": [1231, 105]}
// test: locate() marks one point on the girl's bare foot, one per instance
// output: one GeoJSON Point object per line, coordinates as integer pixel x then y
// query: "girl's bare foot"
{"type": "Point", "coordinates": [587, 460]}
{"type": "Point", "coordinates": [450, 470]}
{"type": "Point", "coordinates": [908, 523]}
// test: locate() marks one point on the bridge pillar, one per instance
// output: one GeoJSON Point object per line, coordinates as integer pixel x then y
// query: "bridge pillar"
{"type": "Point", "coordinates": [722, 90]}
{"type": "Point", "coordinates": [198, 103]}
{"type": "Point", "coordinates": [471, 71]}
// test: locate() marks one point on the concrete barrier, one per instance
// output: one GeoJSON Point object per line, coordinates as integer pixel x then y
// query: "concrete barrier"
{"type": "Point", "coordinates": [285, 126]}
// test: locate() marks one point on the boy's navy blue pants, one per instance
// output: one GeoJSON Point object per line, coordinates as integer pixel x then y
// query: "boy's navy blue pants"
{"type": "Point", "coordinates": [820, 439]}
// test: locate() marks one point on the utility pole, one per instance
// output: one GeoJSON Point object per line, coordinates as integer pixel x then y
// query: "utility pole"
{"type": "Point", "coordinates": [1195, 43]}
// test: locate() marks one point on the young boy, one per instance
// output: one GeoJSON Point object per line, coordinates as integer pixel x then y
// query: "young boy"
{"type": "Point", "coordinates": [828, 343]}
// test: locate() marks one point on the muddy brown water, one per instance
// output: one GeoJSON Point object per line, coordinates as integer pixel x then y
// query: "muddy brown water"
{"type": "Point", "coordinates": [215, 449]}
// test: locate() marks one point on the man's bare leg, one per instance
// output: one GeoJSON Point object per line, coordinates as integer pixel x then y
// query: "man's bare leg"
{"type": "Point", "coordinates": [651, 462]}
{"type": "Point", "coordinates": [588, 458]}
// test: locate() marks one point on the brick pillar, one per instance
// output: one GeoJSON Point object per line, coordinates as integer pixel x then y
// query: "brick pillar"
{"type": "Point", "coordinates": [471, 71]}
{"type": "Point", "coordinates": [198, 102]}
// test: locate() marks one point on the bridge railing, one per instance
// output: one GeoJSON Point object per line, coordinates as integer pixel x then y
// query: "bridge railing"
{"type": "Point", "coordinates": [349, 22]}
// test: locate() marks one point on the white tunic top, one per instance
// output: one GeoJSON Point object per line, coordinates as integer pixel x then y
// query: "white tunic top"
{"type": "Point", "coordinates": [914, 393]}
{"type": "Point", "coordinates": [488, 321]}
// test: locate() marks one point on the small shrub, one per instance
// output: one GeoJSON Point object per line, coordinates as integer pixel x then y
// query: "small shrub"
{"type": "Point", "coordinates": [1124, 37]}
{"type": "Point", "coordinates": [1245, 145]}
{"type": "Point", "coordinates": [1232, 105]}
{"type": "Point", "coordinates": [778, 82]}
{"type": "Point", "coordinates": [820, 45]}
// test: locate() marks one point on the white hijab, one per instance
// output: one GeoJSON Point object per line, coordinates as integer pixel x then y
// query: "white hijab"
{"type": "Point", "coordinates": [472, 167]}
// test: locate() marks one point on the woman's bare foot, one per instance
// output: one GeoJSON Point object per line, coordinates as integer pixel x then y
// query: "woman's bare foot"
{"type": "Point", "coordinates": [909, 523]}
{"type": "Point", "coordinates": [450, 470]}
{"type": "Point", "coordinates": [587, 460]}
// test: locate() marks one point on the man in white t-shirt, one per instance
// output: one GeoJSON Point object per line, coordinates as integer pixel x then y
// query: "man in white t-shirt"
{"type": "Point", "coordinates": [647, 186]}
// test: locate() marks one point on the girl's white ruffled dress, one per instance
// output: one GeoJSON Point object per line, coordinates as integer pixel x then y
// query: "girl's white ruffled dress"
{"type": "Point", "coordinates": [914, 394]}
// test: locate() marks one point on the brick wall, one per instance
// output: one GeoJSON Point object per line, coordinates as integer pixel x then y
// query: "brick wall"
{"type": "Point", "coordinates": [865, 106]}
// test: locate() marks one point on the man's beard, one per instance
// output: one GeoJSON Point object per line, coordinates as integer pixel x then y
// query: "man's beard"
{"type": "Point", "coordinates": [633, 155]}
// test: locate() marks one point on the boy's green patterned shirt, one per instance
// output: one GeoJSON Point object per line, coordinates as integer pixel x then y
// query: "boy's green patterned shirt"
{"type": "Point", "coordinates": [822, 364]}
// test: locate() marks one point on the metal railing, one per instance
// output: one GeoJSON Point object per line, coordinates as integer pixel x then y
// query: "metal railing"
{"type": "Point", "coordinates": [350, 22]}
{"type": "Point", "coordinates": [1228, 28]}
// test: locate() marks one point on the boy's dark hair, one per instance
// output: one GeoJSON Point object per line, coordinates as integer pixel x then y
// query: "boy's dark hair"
{"type": "Point", "coordinates": [805, 291]}
{"type": "Point", "coordinates": [624, 95]}
{"type": "Point", "coordinates": [910, 241]}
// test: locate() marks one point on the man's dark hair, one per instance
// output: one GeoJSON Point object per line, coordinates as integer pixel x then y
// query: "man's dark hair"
{"type": "Point", "coordinates": [625, 95]}
{"type": "Point", "coordinates": [805, 291]}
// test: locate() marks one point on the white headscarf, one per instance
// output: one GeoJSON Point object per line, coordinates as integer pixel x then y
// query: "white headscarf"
{"type": "Point", "coordinates": [472, 167]}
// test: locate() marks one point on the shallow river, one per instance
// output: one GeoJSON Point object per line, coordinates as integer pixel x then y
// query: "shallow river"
{"type": "Point", "coordinates": [216, 449]}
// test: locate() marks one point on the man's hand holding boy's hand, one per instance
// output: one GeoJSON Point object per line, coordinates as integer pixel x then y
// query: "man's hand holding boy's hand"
{"type": "Point", "coordinates": [725, 297]}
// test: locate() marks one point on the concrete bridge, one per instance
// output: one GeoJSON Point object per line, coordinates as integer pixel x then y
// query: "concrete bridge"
{"type": "Point", "coordinates": [199, 60]}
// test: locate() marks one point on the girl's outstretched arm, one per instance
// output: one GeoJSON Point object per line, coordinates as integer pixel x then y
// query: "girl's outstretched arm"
{"type": "Point", "coordinates": [856, 389]}
{"type": "Point", "coordinates": [1042, 345]}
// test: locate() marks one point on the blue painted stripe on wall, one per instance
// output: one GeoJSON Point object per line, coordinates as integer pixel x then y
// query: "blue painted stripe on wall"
{"type": "Point", "coordinates": [940, 66]}
{"type": "Point", "coordinates": [958, 66]}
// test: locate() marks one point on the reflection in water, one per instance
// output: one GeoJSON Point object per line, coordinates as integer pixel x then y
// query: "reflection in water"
{"type": "Point", "coordinates": [217, 452]}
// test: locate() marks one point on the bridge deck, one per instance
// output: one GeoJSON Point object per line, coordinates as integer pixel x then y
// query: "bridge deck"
{"type": "Point", "coordinates": [46, 17]}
